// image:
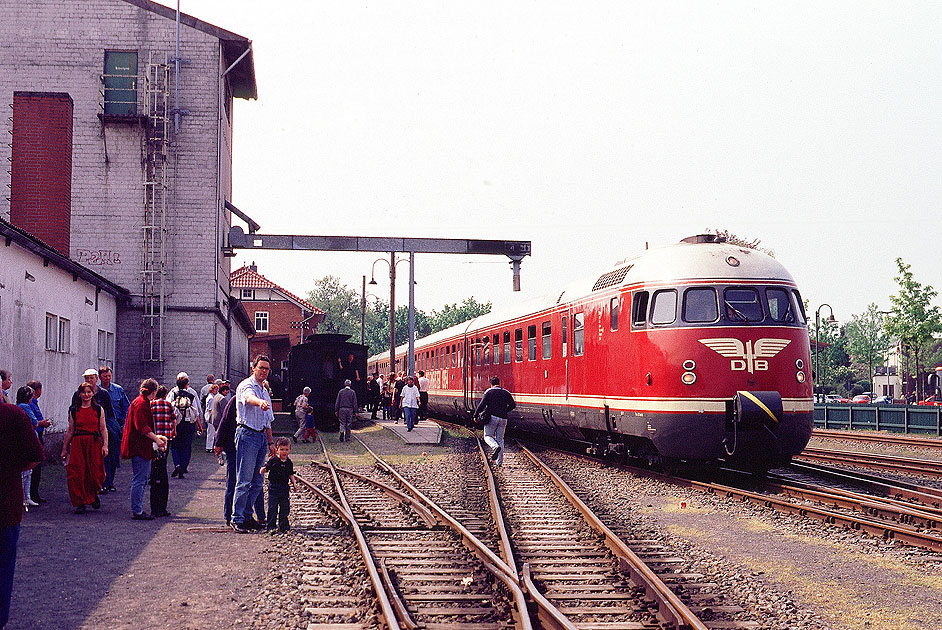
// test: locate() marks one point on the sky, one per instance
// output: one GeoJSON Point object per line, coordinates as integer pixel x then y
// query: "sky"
{"type": "Point", "coordinates": [592, 129]}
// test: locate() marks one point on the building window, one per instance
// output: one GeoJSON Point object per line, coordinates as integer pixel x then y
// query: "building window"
{"type": "Point", "coordinates": [106, 348]}
{"type": "Point", "coordinates": [261, 321]}
{"type": "Point", "coordinates": [578, 334]}
{"type": "Point", "coordinates": [120, 83]}
{"type": "Point", "coordinates": [248, 294]}
{"type": "Point", "coordinates": [52, 332]}
{"type": "Point", "coordinates": [547, 340]}
{"type": "Point", "coordinates": [65, 336]}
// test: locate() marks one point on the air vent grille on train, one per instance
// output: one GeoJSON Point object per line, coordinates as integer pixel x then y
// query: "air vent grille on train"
{"type": "Point", "coordinates": [611, 278]}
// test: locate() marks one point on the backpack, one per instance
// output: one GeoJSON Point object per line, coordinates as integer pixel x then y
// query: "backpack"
{"type": "Point", "coordinates": [182, 403]}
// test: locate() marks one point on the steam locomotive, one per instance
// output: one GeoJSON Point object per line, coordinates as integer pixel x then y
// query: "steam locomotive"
{"type": "Point", "coordinates": [694, 351]}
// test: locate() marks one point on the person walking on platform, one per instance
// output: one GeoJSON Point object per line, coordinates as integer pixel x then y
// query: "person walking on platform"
{"type": "Point", "coordinates": [410, 402]}
{"type": "Point", "coordinates": [345, 409]}
{"type": "Point", "coordinates": [137, 445]}
{"type": "Point", "coordinates": [103, 399]}
{"type": "Point", "coordinates": [84, 449]}
{"type": "Point", "coordinates": [189, 415]}
{"type": "Point", "coordinates": [165, 425]}
{"type": "Point", "coordinates": [386, 401]}
{"type": "Point", "coordinates": [497, 403]}
{"type": "Point", "coordinates": [115, 422]}
{"type": "Point", "coordinates": [372, 404]}
{"type": "Point", "coordinates": [254, 416]}
{"type": "Point", "coordinates": [423, 384]}
{"type": "Point", "coordinates": [21, 451]}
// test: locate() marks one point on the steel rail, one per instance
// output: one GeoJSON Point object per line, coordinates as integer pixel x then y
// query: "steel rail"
{"type": "Point", "coordinates": [386, 610]}
{"type": "Point", "coordinates": [424, 513]}
{"type": "Point", "coordinates": [924, 495]}
{"type": "Point", "coordinates": [874, 460]}
{"type": "Point", "coordinates": [497, 514]}
{"type": "Point", "coordinates": [490, 560]}
{"type": "Point", "coordinates": [670, 607]}
{"type": "Point", "coordinates": [873, 436]}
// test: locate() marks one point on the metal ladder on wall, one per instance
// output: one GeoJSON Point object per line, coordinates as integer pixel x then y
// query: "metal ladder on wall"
{"type": "Point", "coordinates": [156, 197]}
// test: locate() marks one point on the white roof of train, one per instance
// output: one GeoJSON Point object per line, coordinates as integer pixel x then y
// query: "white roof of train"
{"type": "Point", "coordinates": [693, 258]}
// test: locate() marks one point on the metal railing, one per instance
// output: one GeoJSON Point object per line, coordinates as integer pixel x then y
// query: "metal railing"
{"type": "Point", "coordinates": [915, 419]}
{"type": "Point", "coordinates": [120, 95]}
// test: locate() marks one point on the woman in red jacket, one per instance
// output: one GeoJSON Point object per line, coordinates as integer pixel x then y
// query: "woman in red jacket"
{"type": "Point", "coordinates": [137, 445]}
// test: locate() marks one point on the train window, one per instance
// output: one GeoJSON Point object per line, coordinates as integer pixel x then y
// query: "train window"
{"type": "Point", "coordinates": [639, 308]}
{"type": "Point", "coordinates": [700, 305]}
{"type": "Point", "coordinates": [614, 313]}
{"type": "Point", "coordinates": [780, 308]}
{"type": "Point", "coordinates": [799, 306]}
{"type": "Point", "coordinates": [496, 349]}
{"type": "Point", "coordinates": [564, 334]}
{"type": "Point", "coordinates": [664, 307]}
{"type": "Point", "coordinates": [447, 356]}
{"type": "Point", "coordinates": [507, 347]}
{"type": "Point", "coordinates": [547, 340]}
{"type": "Point", "coordinates": [518, 345]}
{"type": "Point", "coordinates": [454, 355]}
{"type": "Point", "coordinates": [486, 343]}
{"type": "Point", "coordinates": [742, 305]}
{"type": "Point", "coordinates": [477, 351]}
{"type": "Point", "coordinates": [578, 334]}
{"type": "Point", "coordinates": [531, 343]}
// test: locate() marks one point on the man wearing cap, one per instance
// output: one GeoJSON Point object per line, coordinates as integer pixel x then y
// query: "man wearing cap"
{"type": "Point", "coordinates": [103, 399]}
{"type": "Point", "coordinates": [345, 408]}
{"type": "Point", "coordinates": [188, 412]}
{"type": "Point", "coordinates": [253, 434]}
{"type": "Point", "coordinates": [114, 422]}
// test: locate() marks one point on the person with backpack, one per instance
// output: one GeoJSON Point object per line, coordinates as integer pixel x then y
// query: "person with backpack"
{"type": "Point", "coordinates": [496, 404]}
{"type": "Point", "coordinates": [188, 413]}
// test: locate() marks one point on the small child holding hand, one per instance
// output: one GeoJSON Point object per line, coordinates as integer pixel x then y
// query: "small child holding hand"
{"type": "Point", "coordinates": [280, 470]}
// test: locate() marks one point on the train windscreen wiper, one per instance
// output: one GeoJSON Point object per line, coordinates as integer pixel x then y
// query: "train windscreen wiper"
{"type": "Point", "coordinates": [733, 313]}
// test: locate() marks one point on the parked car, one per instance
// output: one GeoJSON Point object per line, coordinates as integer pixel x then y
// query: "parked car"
{"type": "Point", "coordinates": [932, 401]}
{"type": "Point", "coordinates": [862, 399]}
{"type": "Point", "coordinates": [884, 400]}
{"type": "Point", "coordinates": [835, 398]}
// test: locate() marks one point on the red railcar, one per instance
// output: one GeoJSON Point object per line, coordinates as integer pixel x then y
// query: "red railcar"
{"type": "Point", "coordinates": [695, 351]}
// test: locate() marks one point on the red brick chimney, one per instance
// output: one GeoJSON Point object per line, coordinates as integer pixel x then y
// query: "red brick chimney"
{"type": "Point", "coordinates": [41, 173]}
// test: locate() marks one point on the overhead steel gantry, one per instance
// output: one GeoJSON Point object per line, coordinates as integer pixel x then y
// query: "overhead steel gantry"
{"type": "Point", "coordinates": [515, 250]}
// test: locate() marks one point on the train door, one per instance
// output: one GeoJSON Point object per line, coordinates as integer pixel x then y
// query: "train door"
{"type": "Point", "coordinates": [564, 349]}
{"type": "Point", "coordinates": [466, 366]}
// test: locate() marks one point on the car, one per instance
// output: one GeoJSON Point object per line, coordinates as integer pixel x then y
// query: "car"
{"type": "Point", "coordinates": [931, 401]}
{"type": "Point", "coordinates": [862, 399]}
{"type": "Point", "coordinates": [884, 400]}
{"type": "Point", "coordinates": [835, 398]}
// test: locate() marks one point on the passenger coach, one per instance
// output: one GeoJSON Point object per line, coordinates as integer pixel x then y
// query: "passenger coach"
{"type": "Point", "coordinates": [695, 351]}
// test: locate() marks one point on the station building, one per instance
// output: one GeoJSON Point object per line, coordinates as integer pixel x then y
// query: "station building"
{"type": "Point", "coordinates": [120, 161]}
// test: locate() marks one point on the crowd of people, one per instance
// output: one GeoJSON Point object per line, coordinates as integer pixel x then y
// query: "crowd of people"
{"type": "Point", "coordinates": [398, 397]}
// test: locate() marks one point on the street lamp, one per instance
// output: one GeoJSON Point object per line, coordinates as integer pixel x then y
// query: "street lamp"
{"type": "Point", "coordinates": [363, 297]}
{"type": "Point", "coordinates": [817, 338]}
{"type": "Point", "coordinates": [392, 262]}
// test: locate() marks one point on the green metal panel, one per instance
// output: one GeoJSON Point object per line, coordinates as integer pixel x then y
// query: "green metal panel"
{"type": "Point", "coordinates": [120, 83]}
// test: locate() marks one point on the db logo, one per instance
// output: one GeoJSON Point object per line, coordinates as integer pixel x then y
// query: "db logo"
{"type": "Point", "coordinates": [746, 357]}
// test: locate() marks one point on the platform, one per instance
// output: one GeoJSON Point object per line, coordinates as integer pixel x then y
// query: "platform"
{"type": "Point", "coordinates": [425, 432]}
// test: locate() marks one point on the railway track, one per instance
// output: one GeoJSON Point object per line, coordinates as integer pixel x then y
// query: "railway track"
{"type": "Point", "coordinates": [891, 463]}
{"type": "Point", "coordinates": [879, 438]}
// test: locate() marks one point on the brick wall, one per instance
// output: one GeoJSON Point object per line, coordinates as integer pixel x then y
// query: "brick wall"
{"type": "Point", "coordinates": [41, 166]}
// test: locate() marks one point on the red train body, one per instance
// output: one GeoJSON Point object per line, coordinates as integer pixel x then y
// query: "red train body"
{"type": "Point", "coordinates": [695, 351]}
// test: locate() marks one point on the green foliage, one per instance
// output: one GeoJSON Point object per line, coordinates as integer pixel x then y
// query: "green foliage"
{"type": "Point", "coordinates": [912, 319]}
{"type": "Point", "coordinates": [453, 314]}
{"type": "Point", "coordinates": [867, 340]}
{"type": "Point", "coordinates": [341, 306]}
{"type": "Point", "coordinates": [734, 239]}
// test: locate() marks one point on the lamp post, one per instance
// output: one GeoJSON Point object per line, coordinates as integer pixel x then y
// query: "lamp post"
{"type": "Point", "coordinates": [363, 297]}
{"type": "Point", "coordinates": [817, 338]}
{"type": "Point", "coordinates": [392, 262]}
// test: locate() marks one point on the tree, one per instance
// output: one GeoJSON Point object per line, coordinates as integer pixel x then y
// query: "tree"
{"type": "Point", "coordinates": [734, 239]}
{"type": "Point", "coordinates": [341, 306]}
{"type": "Point", "coordinates": [453, 314]}
{"type": "Point", "coordinates": [912, 319]}
{"type": "Point", "coordinates": [866, 337]}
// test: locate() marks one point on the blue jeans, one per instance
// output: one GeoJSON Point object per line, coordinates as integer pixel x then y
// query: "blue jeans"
{"type": "Point", "coordinates": [181, 447]}
{"type": "Point", "coordinates": [494, 435]}
{"type": "Point", "coordinates": [8, 539]}
{"type": "Point", "coordinates": [113, 461]}
{"type": "Point", "coordinates": [141, 468]}
{"type": "Point", "coordinates": [411, 414]}
{"type": "Point", "coordinates": [251, 454]}
{"type": "Point", "coordinates": [230, 491]}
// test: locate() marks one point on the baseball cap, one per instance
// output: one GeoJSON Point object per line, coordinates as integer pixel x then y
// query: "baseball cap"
{"type": "Point", "coordinates": [183, 375]}
{"type": "Point", "coordinates": [219, 381]}
{"type": "Point", "coordinates": [90, 372]}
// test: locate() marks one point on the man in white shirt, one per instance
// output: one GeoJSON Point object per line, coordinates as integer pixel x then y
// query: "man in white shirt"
{"type": "Point", "coordinates": [410, 402]}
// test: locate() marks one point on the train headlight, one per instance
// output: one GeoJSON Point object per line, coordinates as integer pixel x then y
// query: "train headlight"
{"type": "Point", "coordinates": [689, 378]}
{"type": "Point", "coordinates": [800, 376]}
{"type": "Point", "coordinates": [689, 365]}
{"type": "Point", "coordinates": [799, 364]}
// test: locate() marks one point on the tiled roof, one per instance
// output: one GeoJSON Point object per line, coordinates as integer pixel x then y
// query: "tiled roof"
{"type": "Point", "coordinates": [245, 278]}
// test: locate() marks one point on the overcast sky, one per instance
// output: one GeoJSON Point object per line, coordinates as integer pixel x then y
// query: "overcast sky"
{"type": "Point", "coordinates": [592, 129]}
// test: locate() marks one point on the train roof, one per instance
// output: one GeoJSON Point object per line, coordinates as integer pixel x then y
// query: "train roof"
{"type": "Point", "coordinates": [701, 257]}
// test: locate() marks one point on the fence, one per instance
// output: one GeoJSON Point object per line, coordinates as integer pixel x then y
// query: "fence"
{"type": "Point", "coordinates": [915, 419]}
